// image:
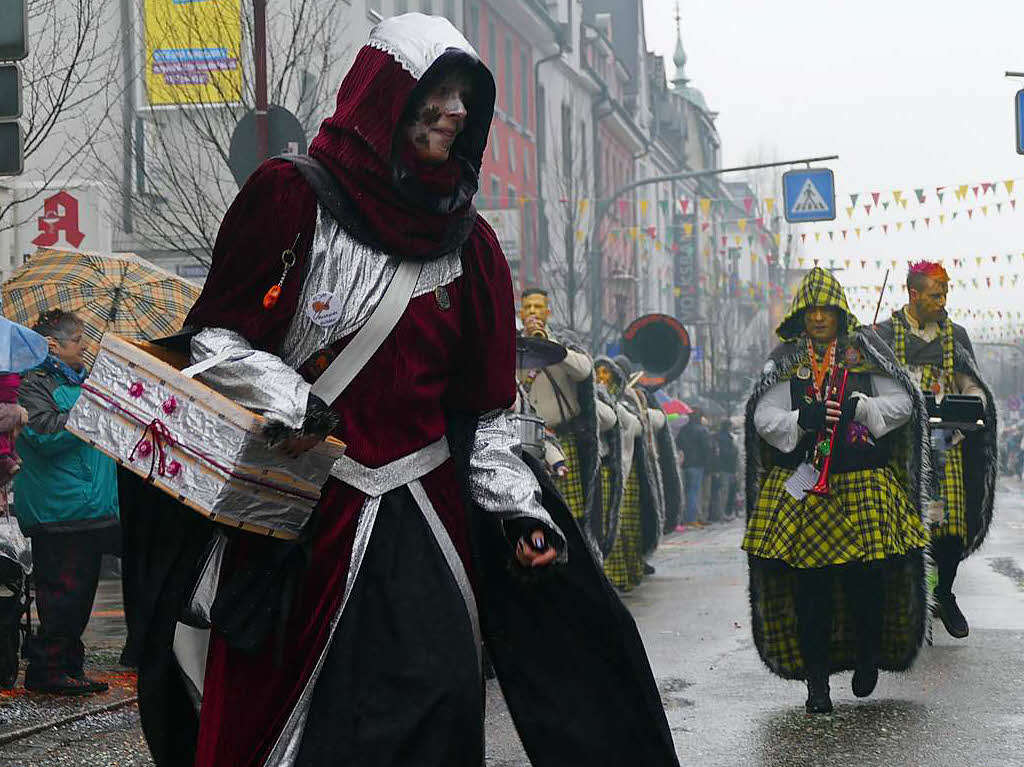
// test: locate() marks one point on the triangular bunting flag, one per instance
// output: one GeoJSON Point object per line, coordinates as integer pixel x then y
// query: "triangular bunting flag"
{"type": "Point", "coordinates": [853, 199]}
{"type": "Point", "coordinates": [684, 204]}
{"type": "Point", "coordinates": [885, 205]}
{"type": "Point", "coordinates": [874, 197]}
{"type": "Point", "coordinates": [742, 224]}
{"type": "Point", "coordinates": [984, 209]}
{"type": "Point", "coordinates": [1009, 185]}
{"type": "Point", "coordinates": [867, 209]}
{"type": "Point", "coordinates": [705, 206]}
{"type": "Point", "coordinates": [849, 211]}
{"type": "Point", "coordinates": [858, 232]}
{"type": "Point", "coordinates": [961, 191]}
{"type": "Point", "coordinates": [897, 196]}
{"type": "Point", "coordinates": [920, 196]}
{"type": "Point", "coordinates": [975, 190]}
{"type": "Point", "coordinates": [748, 204]}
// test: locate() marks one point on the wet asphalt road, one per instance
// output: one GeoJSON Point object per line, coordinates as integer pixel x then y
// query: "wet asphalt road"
{"type": "Point", "coordinates": [960, 705]}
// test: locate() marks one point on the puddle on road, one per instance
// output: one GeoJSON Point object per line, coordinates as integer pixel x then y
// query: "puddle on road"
{"type": "Point", "coordinates": [1008, 566]}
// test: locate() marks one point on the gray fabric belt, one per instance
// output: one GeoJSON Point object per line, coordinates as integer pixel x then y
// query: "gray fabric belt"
{"type": "Point", "coordinates": [398, 473]}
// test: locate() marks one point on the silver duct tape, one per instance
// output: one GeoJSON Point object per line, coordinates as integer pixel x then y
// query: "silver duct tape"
{"type": "Point", "coordinates": [259, 381]}
{"type": "Point", "coordinates": [356, 276]}
{"type": "Point", "coordinates": [499, 481]}
{"type": "Point", "coordinates": [391, 476]}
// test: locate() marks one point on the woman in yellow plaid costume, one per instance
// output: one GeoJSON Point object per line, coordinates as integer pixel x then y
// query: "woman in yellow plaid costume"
{"type": "Point", "coordinates": [836, 581]}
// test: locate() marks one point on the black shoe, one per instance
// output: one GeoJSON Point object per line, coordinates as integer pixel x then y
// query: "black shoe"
{"type": "Point", "coordinates": [864, 680]}
{"type": "Point", "coordinates": [648, 570]}
{"type": "Point", "coordinates": [818, 700]}
{"type": "Point", "coordinates": [950, 615]}
{"type": "Point", "coordinates": [66, 684]}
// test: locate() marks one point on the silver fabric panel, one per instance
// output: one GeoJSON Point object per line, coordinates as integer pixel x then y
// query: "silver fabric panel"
{"type": "Point", "coordinates": [451, 556]}
{"type": "Point", "coordinates": [358, 276]}
{"type": "Point", "coordinates": [499, 481]}
{"type": "Point", "coordinates": [259, 381]}
{"type": "Point", "coordinates": [377, 482]}
{"type": "Point", "coordinates": [286, 749]}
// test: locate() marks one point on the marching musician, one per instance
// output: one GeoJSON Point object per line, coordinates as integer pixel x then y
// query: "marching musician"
{"type": "Point", "coordinates": [564, 395]}
{"type": "Point", "coordinates": [612, 478]}
{"type": "Point", "coordinates": [941, 360]}
{"type": "Point", "coordinates": [863, 536]}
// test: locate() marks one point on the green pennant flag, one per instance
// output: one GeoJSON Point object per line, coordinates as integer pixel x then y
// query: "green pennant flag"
{"type": "Point", "coordinates": [663, 204]}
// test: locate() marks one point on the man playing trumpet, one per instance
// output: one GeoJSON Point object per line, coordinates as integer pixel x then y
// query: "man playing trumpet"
{"type": "Point", "coordinates": [834, 540]}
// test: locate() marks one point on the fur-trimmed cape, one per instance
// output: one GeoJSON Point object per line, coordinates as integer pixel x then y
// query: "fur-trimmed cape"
{"type": "Point", "coordinates": [980, 448]}
{"type": "Point", "coordinates": [671, 477]}
{"type": "Point", "coordinates": [606, 524]}
{"type": "Point", "coordinates": [773, 583]}
{"type": "Point", "coordinates": [652, 499]}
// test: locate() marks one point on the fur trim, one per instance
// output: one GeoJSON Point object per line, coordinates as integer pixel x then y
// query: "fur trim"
{"type": "Point", "coordinates": [905, 572]}
{"type": "Point", "coordinates": [614, 505]}
{"type": "Point", "coordinates": [672, 479]}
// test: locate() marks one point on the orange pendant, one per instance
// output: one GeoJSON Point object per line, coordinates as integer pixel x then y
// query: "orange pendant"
{"type": "Point", "coordinates": [271, 296]}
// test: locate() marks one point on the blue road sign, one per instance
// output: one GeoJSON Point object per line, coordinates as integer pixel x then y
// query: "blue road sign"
{"type": "Point", "coordinates": [1019, 102]}
{"type": "Point", "coordinates": [809, 195]}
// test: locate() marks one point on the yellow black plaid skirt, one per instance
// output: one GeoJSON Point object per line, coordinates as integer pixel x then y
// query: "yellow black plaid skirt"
{"type": "Point", "coordinates": [624, 566]}
{"type": "Point", "coordinates": [952, 486]}
{"type": "Point", "coordinates": [866, 517]}
{"type": "Point", "coordinates": [571, 485]}
{"type": "Point", "coordinates": [606, 500]}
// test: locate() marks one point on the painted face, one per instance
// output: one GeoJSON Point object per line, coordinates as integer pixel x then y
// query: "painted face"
{"type": "Point", "coordinates": [439, 119]}
{"type": "Point", "coordinates": [929, 302]}
{"type": "Point", "coordinates": [603, 374]}
{"type": "Point", "coordinates": [534, 312]}
{"type": "Point", "coordinates": [69, 352]}
{"type": "Point", "coordinates": [822, 323]}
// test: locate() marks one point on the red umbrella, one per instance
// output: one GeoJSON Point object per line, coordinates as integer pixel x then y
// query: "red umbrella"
{"type": "Point", "coordinates": [676, 407]}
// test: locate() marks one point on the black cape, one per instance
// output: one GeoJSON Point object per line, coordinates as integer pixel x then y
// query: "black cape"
{"type": "Point", "coordinates": [980, 448]}
{"type": "Point", "coordinates": [568, 656]}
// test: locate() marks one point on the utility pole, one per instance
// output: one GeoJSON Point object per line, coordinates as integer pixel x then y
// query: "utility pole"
{"type": "Point", "coordinates": [259, 45]}
{"type": "Point", "coordinates": [601, 210]}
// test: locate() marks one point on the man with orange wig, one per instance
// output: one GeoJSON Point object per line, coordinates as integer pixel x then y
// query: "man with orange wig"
{"type": "Point", "coordinates": [940, 357]}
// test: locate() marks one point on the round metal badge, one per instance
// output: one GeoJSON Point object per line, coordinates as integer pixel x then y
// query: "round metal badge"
{"type": "Point", "coordinates": [852, 357]}
{"type": "Point", "coordinates": [803, 373]}
{"type": "Point", "coordinates": [444, 301]}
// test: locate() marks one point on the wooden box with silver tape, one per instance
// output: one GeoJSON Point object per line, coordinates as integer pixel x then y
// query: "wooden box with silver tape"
{"type": "Point", "coordinates": [138, 407]}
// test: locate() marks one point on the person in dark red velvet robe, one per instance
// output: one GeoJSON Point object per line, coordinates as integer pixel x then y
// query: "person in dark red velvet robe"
{"type": "Point", "coordinates": [361, 644]}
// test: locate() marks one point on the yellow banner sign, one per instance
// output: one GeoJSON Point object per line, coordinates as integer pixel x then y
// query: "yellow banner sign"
{"type": "Point", "coordinates": [193, 52]}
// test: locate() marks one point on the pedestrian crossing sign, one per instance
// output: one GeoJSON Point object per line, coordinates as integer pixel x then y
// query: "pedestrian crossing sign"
{"type": "Point", "coordinates": [809, 195]}
{"type": "Point", "coordinates": [1018, 109]}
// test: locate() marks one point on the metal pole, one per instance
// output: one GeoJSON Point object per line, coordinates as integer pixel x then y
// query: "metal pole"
{"type": "Point", "coordinates": [127, 113]}
{"type": "Point", "coordinates": [259, 45]}
{"type": "Point", "coordinates": [1015, 74]}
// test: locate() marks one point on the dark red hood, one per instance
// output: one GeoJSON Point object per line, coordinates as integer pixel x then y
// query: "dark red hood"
{"type": "Point", "coordinates": [398, 205]}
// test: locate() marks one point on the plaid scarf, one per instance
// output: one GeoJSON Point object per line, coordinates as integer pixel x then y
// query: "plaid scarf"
{"type": "Point", "coordinates": [929, 373]}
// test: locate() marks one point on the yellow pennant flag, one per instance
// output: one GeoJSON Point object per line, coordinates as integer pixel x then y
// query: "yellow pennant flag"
{"type": "Point", "coordinates": [897, 196]}
{"type": "Point", "coordinates": [849, 212]}
{"type": "Point", "coordinates": [657, 245]}
{"type": "Point", "coordinates": [632, 232]}
{"type": "Point", "coordinates": [522, 200]}
{"type": "Point", "coordinates": [899, 225]}
{"type": "Point", "coordinates": [753, 258]}
{"type": "Point", "coordinates": [904, 204]}
{"type": "Point", "coordinates": [583, 206]}
{"type": "Point", "coordinates": [942, 218]}
{"type": "Point", "coordinates": [857, 230]}
{"type": "Point", "coordinates": [742, 224]}
{"type": "Point", "coordinates": [977, 260]}
{"type": "Point", "coordinates": [688, 229]}
{"type": "Point", "coordinates": [769, 204]}
{"type": "Point", "coordinates": [705, 206]}
{"type": "Point", "coordinates": [778, 238]}
{"type": "Point", "coordinates": [984, 209]}
{"type": "Point", "coordinates": [737, 239]}
{"type": "Point", "coordinates": [643, 207]}
{"type": "Point", "coordinates": [611, 237]}
{"type": "Point", "coordinates": [817, 236]}
{"type": "Point", "coordinates": [961, 191]}
{"type": "Point", "coordinates": [1009, 185]}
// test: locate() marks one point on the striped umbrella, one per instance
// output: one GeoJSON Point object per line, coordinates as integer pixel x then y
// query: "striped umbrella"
{"type": "Point", "coordinates": [122, 294]}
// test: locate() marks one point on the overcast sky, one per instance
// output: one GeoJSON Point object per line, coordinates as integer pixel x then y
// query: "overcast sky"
{"type": "Point", "coordinates": [909, 94]}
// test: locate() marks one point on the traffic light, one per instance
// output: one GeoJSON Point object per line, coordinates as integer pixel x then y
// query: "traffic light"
{"type": "Point", "coordinates": [13, 47]}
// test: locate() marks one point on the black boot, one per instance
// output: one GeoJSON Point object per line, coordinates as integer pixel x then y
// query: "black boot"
{"type": "Point", "coordinates": [864, 586]}
{"type": "Point", "coordinates": [818, 699]}
{"type": "Point", "coordinates": [951, 616]}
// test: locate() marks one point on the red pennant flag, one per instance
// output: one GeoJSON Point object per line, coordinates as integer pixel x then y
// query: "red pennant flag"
{"type": "Point", "coordinates": [759, 222]}
{"type": "Point", "coordinates": [885, 228]}
{"type": "Point", "coordinates": [975, 190]}
{"type": "Point", "coordinates": [652, 232]}
{"type": "Point", "coordinates": [874, 197]}
{"type": "Point", "coordinates": [986, 186]}
{"type": "Point", "coordinates": [863, 264]}
{"type": "Point", "coordinates": [928, 222]}
{"type": "Point", "coordinates": [844, 234]}
{"type": "Point", "coordinates": [970, 213]}
{"type": "Point", "coordinates": [724, 240]}
{"type": "Point", "coordinates": [684, 204]}
{"type": "Point", "coordinates": [748, 203]}
{"type": "Point", "coordinates": [623, 207]}
{"type": "Point", "coordinates": [803, 237]}
{"type": "Point", "coordinates": [704, 226]}
{"type": "Point", "coordinates": [867, 209]}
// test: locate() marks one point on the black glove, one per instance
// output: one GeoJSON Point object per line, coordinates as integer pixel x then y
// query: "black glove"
{"type": "Point", "coordinates": [320, 421]}
{"type": "Point", "coordinates": [812, 416]}
{"type": "Point", "coordinates": [849, 409]}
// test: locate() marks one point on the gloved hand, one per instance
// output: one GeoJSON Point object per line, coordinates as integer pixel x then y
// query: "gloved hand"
{"type": "Point", "coordinates": [812, 416]}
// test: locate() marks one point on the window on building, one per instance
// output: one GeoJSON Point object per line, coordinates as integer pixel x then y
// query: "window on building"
{"type": "Point", "coordinates": [495, 148]}
{"type": "Point", "coordinates": [512, 153]}
{"type": "Point", "coordinates": [542, 127]}
{"type": "Point", "coordinates": [492, 44]}
{"type": "Point", "coordinates": [583, 155]}
{"type": "Point", "coordinates": [511, 196]}
{"type": "Point", "coordinates": [524, 88]}
{"type": "Point", "coordinates": [473, 28]}
{"type": "Point", "coordinates": [495, 191]}
{"type": "Point", "coordinates": [526, 162]}
{"type": "Point", "coordinates": [510, 78]}
{"type": "Point", "coordinates": [401, 6]}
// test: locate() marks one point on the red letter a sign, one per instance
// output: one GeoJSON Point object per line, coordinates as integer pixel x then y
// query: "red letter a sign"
{"type": "Point", "coordinates": [60, 214]}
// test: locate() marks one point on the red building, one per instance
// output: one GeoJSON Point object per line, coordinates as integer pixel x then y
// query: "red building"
{"type": "Point", "coordinates": [502, 35]}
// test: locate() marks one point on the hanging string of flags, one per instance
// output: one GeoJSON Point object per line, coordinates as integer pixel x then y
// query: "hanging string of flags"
{"type": "Point", "coordinates": [974, 263]}
{"type": "Point", "coordinates": [875, 202]}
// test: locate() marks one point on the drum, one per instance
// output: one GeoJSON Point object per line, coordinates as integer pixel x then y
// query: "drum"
{"type": "Point", "coordinates": [530, 430]}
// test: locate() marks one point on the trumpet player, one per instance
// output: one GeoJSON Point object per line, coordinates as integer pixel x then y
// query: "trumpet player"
{"type": "Point", "coordinates": [834, 541]}
{"type": "Point", "coordinates": [940, 357]}
{"type": "Point", "coordinates": [565, 396]}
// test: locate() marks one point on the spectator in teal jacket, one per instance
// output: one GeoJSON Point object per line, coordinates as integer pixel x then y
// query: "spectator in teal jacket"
{"type": "Point", "coordinates": [65, 497]}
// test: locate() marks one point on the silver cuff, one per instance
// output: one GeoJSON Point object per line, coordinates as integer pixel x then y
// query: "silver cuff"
{"type": "Point", "coordinates": [500, 482]}
{"type": "Point", "coordinates": [257, 380]}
